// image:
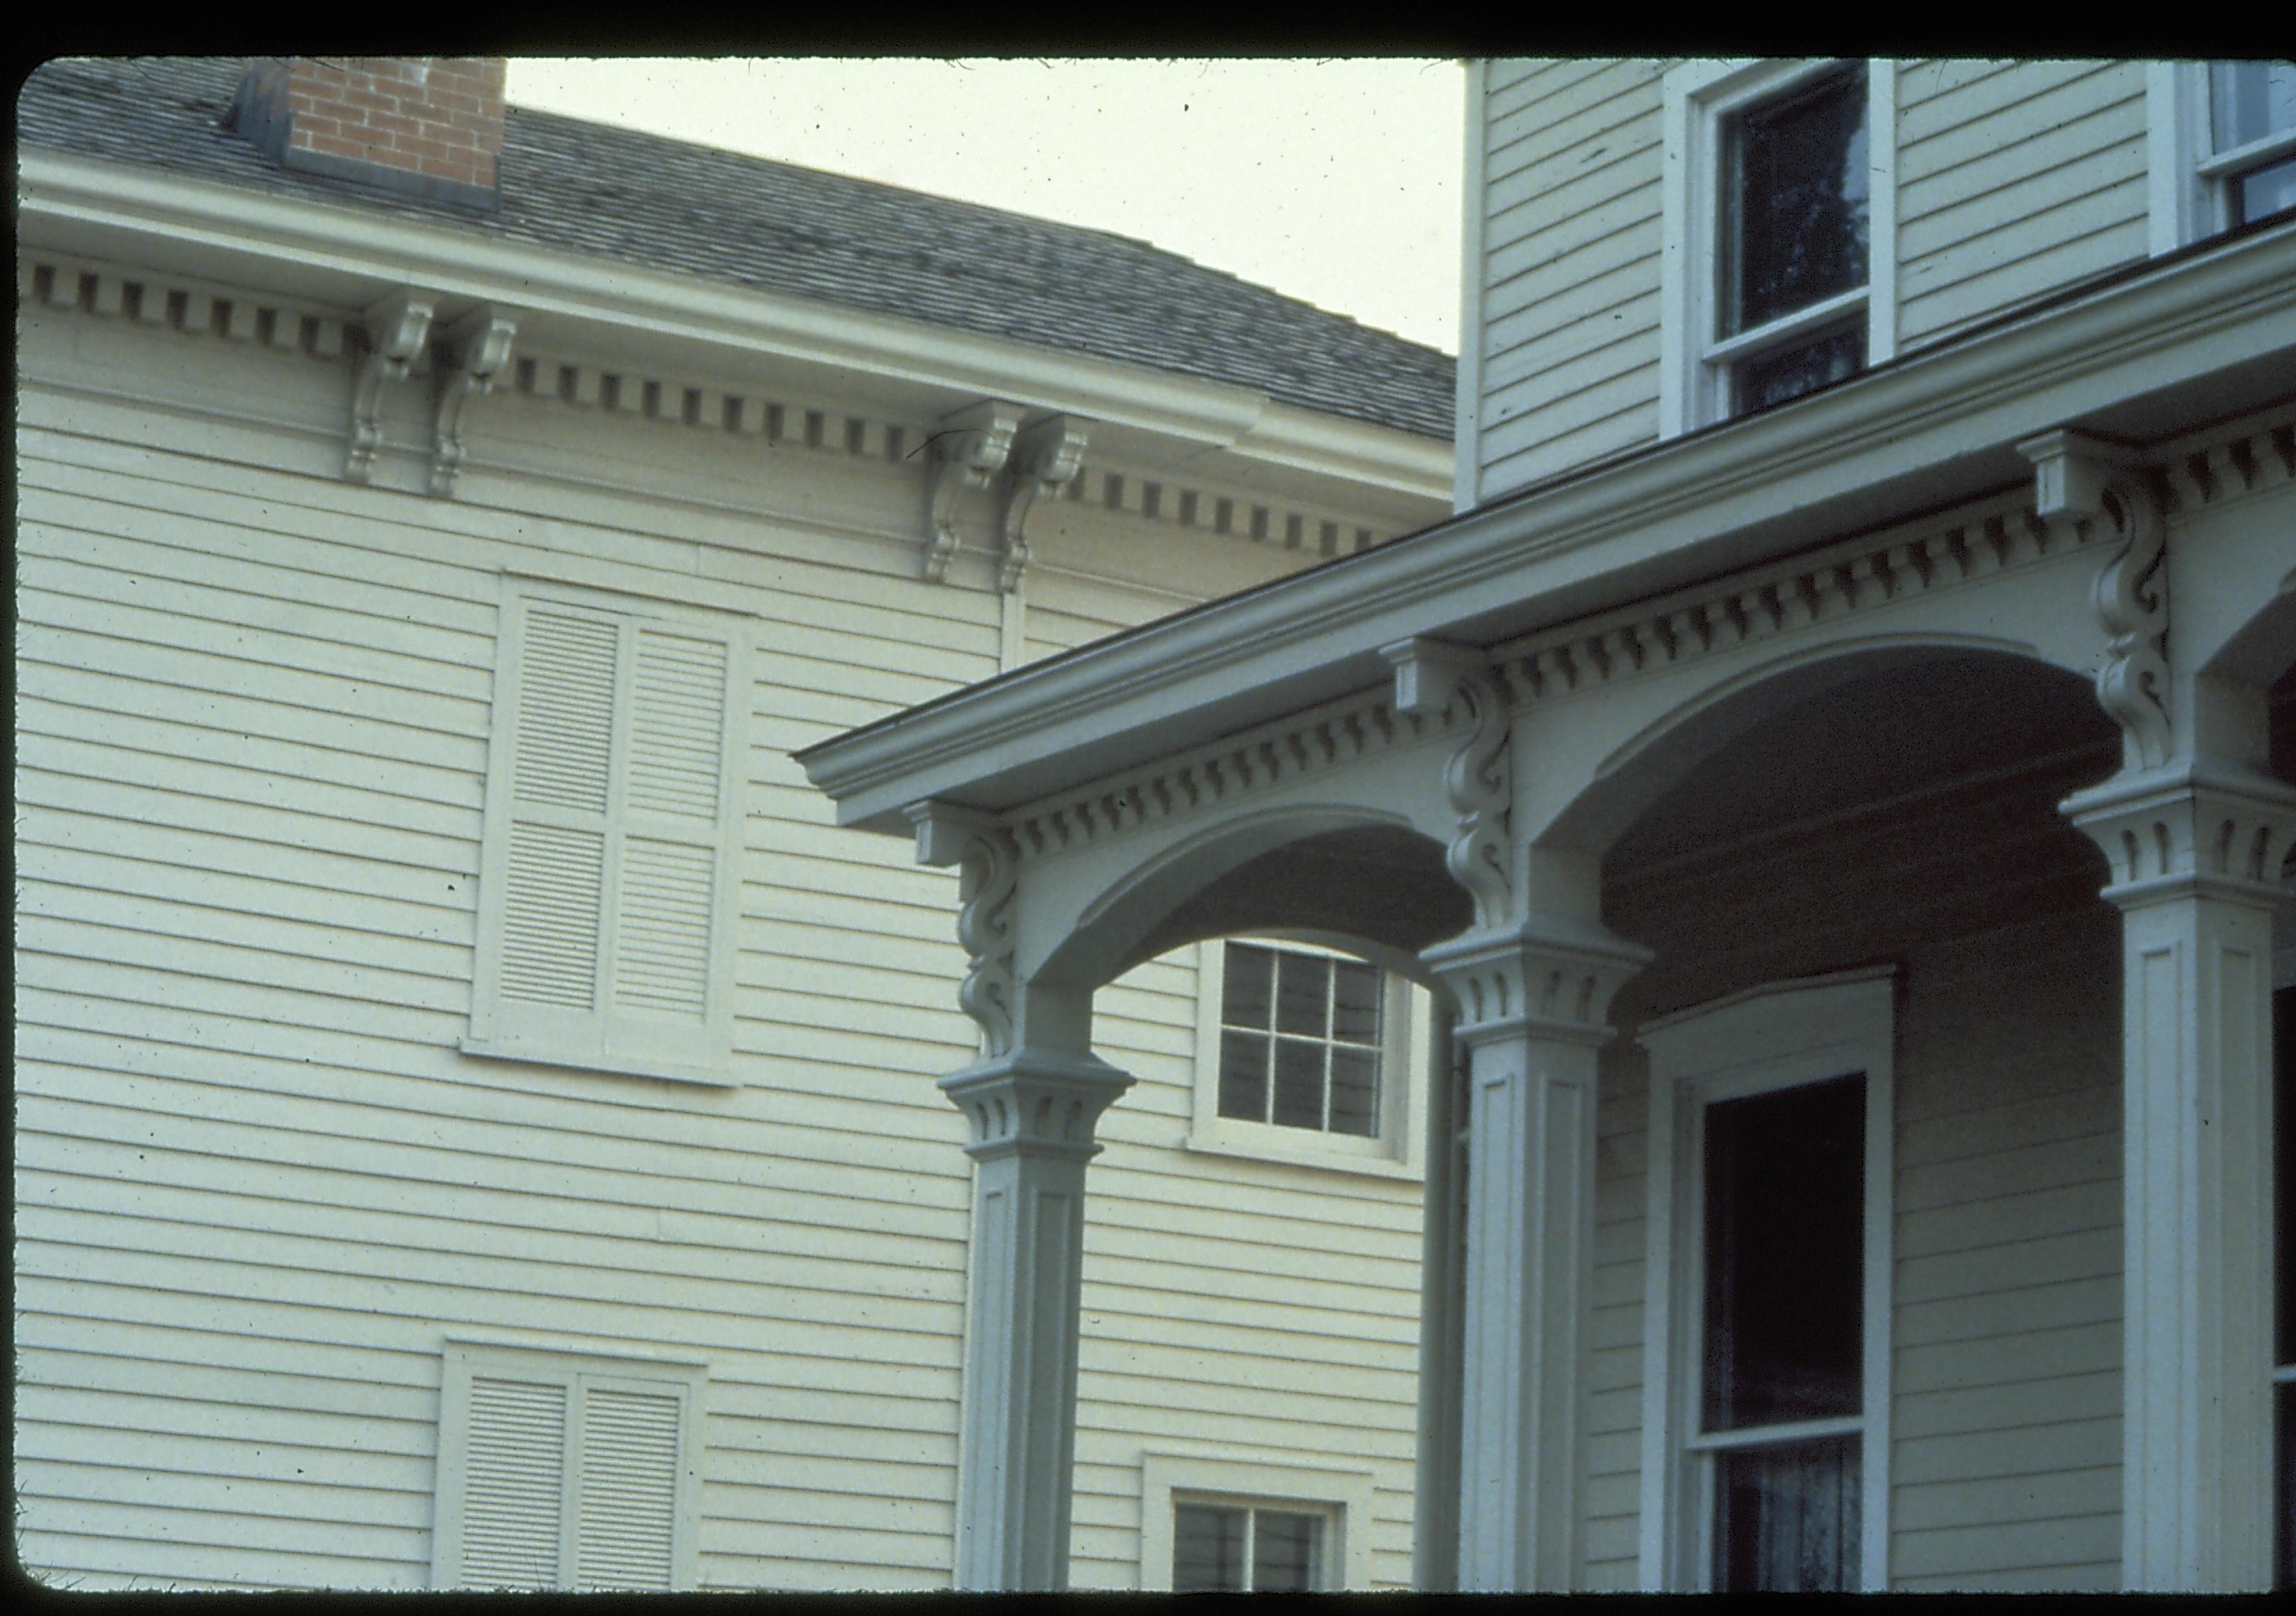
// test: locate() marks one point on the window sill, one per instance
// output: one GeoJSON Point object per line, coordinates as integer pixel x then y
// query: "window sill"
{"type": "Point", "coordinates": [1250, 1143]}
{"type": "Point", "coordinates": [667, 1071]}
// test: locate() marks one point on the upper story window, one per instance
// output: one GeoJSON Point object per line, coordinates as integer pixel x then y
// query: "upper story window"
{"type": "Point", "coordinates": [2252, 137]}
{"type": "Point", "coordinates": [2223, 147]}
{"type": "Point", "coordinates": [1306, 1055]}
{"type": "Point", "coordinates": [1779, 218]}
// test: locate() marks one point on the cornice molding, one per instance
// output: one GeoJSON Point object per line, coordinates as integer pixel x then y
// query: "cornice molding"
{"type": "Point", "coordinates": [1942, 423]}
{"type": "Point", "coordinates": [91, 207]}
{"type": "Point", "coordinates": [666, 396]}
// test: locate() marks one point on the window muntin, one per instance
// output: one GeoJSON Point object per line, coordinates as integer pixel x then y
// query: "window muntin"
{"type": "Point", "coordinates": [1794, 199]}
{"type": "Point", "coordinates": [2252, 137]}
{"type": "Point", "coordinates": [1243, 1548]}
{"type": "Point", "coordinates": [1301, 1040]}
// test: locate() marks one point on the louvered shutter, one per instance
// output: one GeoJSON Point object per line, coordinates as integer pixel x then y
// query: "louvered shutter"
{"type": "Point", "coordinates": [626, 1515]}
{"type": "Point", "coordinates": [668, 980]}
{"type": "Point", "coordinates": [613, 839]}
{"type": "Point", "coordinates": [513, 1504]}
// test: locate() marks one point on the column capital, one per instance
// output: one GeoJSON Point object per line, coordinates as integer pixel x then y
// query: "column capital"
{"type": "Point", "coordinates": [1544, 974]}
{"type": "Point", "coordinates": [2200, 827]}
{"type": "Point", "coordinates": [1035, 1102]}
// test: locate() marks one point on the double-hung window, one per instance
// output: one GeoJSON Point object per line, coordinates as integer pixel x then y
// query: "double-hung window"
{"type": "Point", "coordinates": [2223, 147]}
{"type": "Point", "coordinates": [1243, 1526]}
{"type": "Point", "coordinates": [1305, 1053]}
{"type": "Point", "coordinates": [1779, 233]}
{"type": "Point", "coordinates": [1765, 1398]}
{"type": "Point", "coordinates": [608, 879]}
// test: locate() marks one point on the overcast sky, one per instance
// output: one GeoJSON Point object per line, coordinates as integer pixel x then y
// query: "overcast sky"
{"type": "Point", "coordinates": [1337, 182]}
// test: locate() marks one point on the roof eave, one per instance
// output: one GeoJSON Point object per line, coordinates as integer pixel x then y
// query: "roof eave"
{"type": "Point", "coordinates": [2145, 358]}
{"type": "Point", "coordinates": [106, 208]}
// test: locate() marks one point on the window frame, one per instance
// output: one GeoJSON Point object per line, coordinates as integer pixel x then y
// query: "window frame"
{"type": "Point", "coordinates": [1394, 1150]}
{"type": "Point", "coordinates": [2187, 198]}
{"type": "Point", "coordinates": [608, 1043]}
{"type": "Point", "coordinates": [1342, 1498]}
{"type": "Point", "coordinates": [464, 1359]}
{"type": "Point", "coordinates": [1695, 361]}
{"type": "Point", "coordinates": [1782, 1035]}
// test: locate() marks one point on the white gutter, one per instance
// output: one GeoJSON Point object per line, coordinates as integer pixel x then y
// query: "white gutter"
{"type": "Point", "coordinates": [339, 254]}
{"type": "Point", "coordinates": [1932, 429]}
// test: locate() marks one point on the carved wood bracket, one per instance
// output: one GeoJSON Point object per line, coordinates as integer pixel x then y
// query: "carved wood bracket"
{"type": "Point", "coordinates": [398, 333]}
{"type": "Point", "coordinates": [969, 449]}
{"type": "Point", "coordinates": [1430, 676]}
{"type": "Point", "coordinates": [476, 351]}
{"type": "Point", "coordinates": [1045, 456]}
{"type": "Point", "coordinates": [988, 863]}
{"type": "Point", "coordinates": [2080, 476]}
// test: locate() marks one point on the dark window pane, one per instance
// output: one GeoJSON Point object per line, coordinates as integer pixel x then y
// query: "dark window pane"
{"type": "Point", "coordinates": [2262, 192]}
{"type": "Point", "coordinates": [1283, 1553]}
{"type": "Point", "coordinates": [1355, 1091]}
{"type": "Point", "coordinates": [1354, 1002]}
{"type": "Point", "coordinates": [1243, 1075]}
{"type": "Point", "coordinates": [1303, 990]}
{"type": "Point", "coordinates": [1804, 367]}
{"type": "Point", "coordinates": [1795, 203]}
{"type": "Point", "coordinates": [2250, 100]}
{"type": "Point", "coordinates": [1207, 1549]}
{"type": "Point", "coordinates": [1785, 1234]}
{"type": "Point", "coordinates": [1244, 991]}
{"type": "Point", "coordinates": [2284, 1400]}
{"type": "Point", "coordinates": [1787, 1517]}
{"type": "Point", "coordinates": [1298, 1084]}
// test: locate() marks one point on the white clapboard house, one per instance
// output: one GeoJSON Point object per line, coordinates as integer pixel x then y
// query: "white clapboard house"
{"type": "Point", "coordinates": [476, 1119]}
{"type": "Point", "coordinates": [1840, 763]}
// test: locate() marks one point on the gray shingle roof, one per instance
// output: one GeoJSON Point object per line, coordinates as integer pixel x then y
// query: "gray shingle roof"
{"type": "Point", "coordinates": [592, 188]}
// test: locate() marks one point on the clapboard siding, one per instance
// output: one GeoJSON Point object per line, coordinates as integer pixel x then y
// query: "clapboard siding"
{"type": "Point", "coordinates": [2014, 180]}
{"type": "Point", "coordinates": [1570, 276]}
{"type": "Point", "coordinates": [258, 1184]}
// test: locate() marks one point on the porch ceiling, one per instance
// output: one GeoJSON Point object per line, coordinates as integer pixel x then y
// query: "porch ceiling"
{"type": "Point", "coordinates": [2149, 355]}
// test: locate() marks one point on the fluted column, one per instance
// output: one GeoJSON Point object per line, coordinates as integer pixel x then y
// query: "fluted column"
{"type": "Point", "coordinates": [2195, 848]}
{"type": "Point", "coordinates": [1532, 997]}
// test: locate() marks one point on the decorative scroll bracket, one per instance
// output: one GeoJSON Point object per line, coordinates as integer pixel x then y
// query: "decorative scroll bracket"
{"type": "Point", "coordinates": [1479, 778]}
{"type": "Point", "coordinates": [2079, 475]}
{"type": "Point", "coordinates": [476, 351]}
{"type": "Point", "coordinates": [988, 863]}
{"type": "Point", "coordinates": [1045, 456]}
{"type": "Point", "coordinates": [398, 334]}
{"type": "Point", "coordinates": [969, 449]}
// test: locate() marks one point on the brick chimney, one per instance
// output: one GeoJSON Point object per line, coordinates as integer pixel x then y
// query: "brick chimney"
{"type": "Point", "coordinates": [422, 126]}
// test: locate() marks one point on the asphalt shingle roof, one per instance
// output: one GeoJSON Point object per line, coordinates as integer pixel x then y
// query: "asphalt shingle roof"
{"type": "Point", "coordinates": [743, 221]}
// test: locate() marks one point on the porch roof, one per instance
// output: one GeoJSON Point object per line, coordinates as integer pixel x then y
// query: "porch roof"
{"type": "Point", "coordinates": [2143, 354]}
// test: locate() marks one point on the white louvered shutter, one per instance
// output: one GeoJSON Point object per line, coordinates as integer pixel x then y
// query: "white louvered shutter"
{"type": "Point", "coordinates": [613, 838]}
{"type": "Point", "coordinates": [668, 976]}
{"type": "Point", "coordinates": [626, 1515]}
{"type": "Point", "coordinates": [513, 1485]}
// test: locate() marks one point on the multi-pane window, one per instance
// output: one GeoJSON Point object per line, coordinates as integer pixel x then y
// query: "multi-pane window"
{"type": "Point", "coordinates": [2252, 138]}
{"type": "Point", "coordinates": [1246, 1548]}
{"type": "Point", "coordinates": [1795, 227]}
{"type": "Point", "coordinates": [1301, 1040]}
{"type": "Point", "coordinates": [1782, 1398]}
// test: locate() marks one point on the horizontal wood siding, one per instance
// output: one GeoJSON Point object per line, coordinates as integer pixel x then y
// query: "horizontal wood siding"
{"type": "Point", "coordinates": [1570, 207]}
{"type": "Point", "coordinates": [2014, 179]}
{"type": "Point", "coordinates": [258, 1186]}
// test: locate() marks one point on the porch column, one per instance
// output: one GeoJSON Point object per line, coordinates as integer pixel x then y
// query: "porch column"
{"type": "Point", "coordinates": [2195, 848]}
{"type": "Point", "coordinates": [1533, 995]}
{"type": "Point", "coordinates": [1032, 1114]}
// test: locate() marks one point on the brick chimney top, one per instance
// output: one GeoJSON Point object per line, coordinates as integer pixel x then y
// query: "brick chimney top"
{"type": "Point", "coordinates": [422, 126]}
